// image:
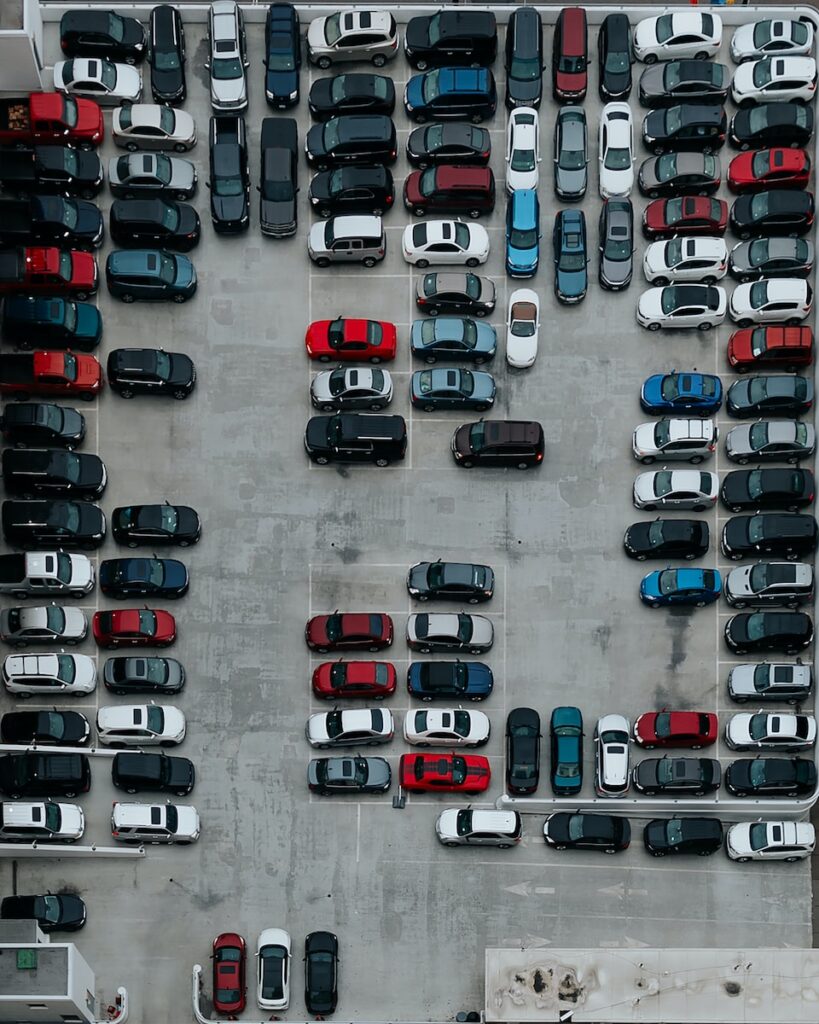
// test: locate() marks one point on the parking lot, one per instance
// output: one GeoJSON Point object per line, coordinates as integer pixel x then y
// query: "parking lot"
{"type": "Point", "coordinates": [283, 540]}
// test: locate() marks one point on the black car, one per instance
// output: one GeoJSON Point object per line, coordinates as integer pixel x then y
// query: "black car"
{"type": "Point", "coordinates": [356, 437]}
{"type": "Point", "coordinates": [278, 178]}
{"type": "Point", "coordinates": [615, 58]}
{"type": "Point", "coordinates": [702, 836]}
{"type": "Point", "coordinates": [155, 524]}
{"type": "Point", "coordinates": [352, 190]}
{"type": "Point", "coordinates": [23, 775]}
{"type": "Point", "coordinates": [337, 775]}
{"type": "Point", "coordinates": [450, 581]}
{"type": "Point", "coordinates": [51, 220]}
{"type": "Point", "coordinates": [165, 578]}
{"type": "Point", "coordinates": [778, 534]}
{"type": "Point", "coordinates": [127, 675]}
{"type": "Point", "coordinates": [53, 473]}
{"type": "Point", "coordinates": [677, 776]}
{"type": "Point", "coordinates": [524, 58]}
{"type": "Point", "coordinates": [35, 423]}
{"type": "Point", "coordinates": [607, 833]}
{"type": "Point", "coordinates": [153, 773]}
{"type": "Point", "coordinates": [167, 55]}
{"type": "Point", "coordinates": [102, 33]}
{"type": "Point", "coordinates": [282, 55]}
{"type": "Point", "coordinates": [784, 211]}
{"type": "Point", "coordinates": [667, 538]}
{"type": "Point", "coordinates": [60, 170]}
{"type": "Point", "coordinates": [150, 371]}
{"type": "Point", "coordinates": [758, 632]}
{"type": "Point", "coordinates": [771, 776]}
{"type": "Point", "coordinates": [684, 81]}
{"type": "Point", "coordinates": [320, 972]}
{"type": "Point", "coordinates": [449, 680]}
{"type": "Point", "coordinates": [452, 143]}
{"type": "Point", "coordinates": [352, 138]}
{"type": "Point", "coordinates": [772, 124]}
{"type": "Point", "coordinates": [229, 181]}
{"type": "Point", "coordinates": [784, 394]}
{"type": "Point", "coordinates": [522, 751]}
{"type": "Point", "coordinates": [68, 524]}
{"type": "Point", "coordinates": [750, 489]}
{"type": "Point", "coordinates": [351, 94]}
{"type": "Point", "coordinates": [63, 912]}
{"type": "Point", "coordinates": [455, 293]}
{"type": "Point", "coordinates": [62, 728]}
{"type": "Point", "coordinates": [616, 244]}
{"type": "Point", "coordinates": [450, 38]}
{"type": "Point", "coordinates": [690, 126]}
{"type": "Point", "coordinates": [30, 321]}
{"type": "Point", "coordinates": [136, 223]}
{"type": "Point", "coordinates": [771, 257]}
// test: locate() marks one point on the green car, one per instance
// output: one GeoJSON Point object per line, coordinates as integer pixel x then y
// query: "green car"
{"type": "Point", "coordinates": [150, 274]}
{"type": "Point", "coordinates": [566, 732]}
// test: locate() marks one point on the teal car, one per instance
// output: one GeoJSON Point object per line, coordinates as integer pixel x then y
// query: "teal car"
{"type": "Point", "coordinates": [150, 274]}
{"type": "Point", "coordinates": [522, 233]}
{"type": "Point", "coordinates": [566, 733]}
{"type": "Point", "coordinates": [570, 256]}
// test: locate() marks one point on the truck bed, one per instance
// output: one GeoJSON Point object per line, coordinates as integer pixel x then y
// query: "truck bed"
{"type": "Point", "coordinates": [280, 133]}
{"type": "Point", "coordinates": [15, 218]}
{"type": "Point", "coordinates": [14, 114]}
{"type": "Point", "coordinates": [17, 165]}
{"type": "Point", "coordinates": [12, 568]}
{"type": "Point", "coordinates": [12, 266]}
{"type": "Point", "coordinates": [17, 368]}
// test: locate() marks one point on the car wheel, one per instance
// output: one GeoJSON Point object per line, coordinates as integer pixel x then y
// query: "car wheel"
{"type": "Point", "coordinates": [375, 648]}
{"type": "Point", "coordinates": [126, 393]}
{"type": "Point", "coordinates": [87, 396]}
{"type": "Point", "coordinates": [418, 211]}
{"type": "Point", "coordinates": [322, 261]}
{"type": "Point", "coordinates": [654, 194]}
{"type": "Point", "coordinates": [466, 464]}
{"type": "Point", "coordinates": [434, 311]}
{"type": "Point", "coordinates": [742, 860]}
{"type": "Point", "coordinates": [28, 696]}
{"type": "Point", "coordinates": [180, 395]}
{"type": "Point", "coordinates": [650, 58]}
{"type": "Point", "coordinates": [422, 264]}
{"type": "Point", "coordinates": [474, 214]}
{"type": "Point", "coordinates": [321, 460]}
{"type": "Point", "coordinates": [658, 853]}
{"type": "Point", "coordinates": [747, 145]}
{"type": "Point", "coordinates": [654, 327]}
{"type": "Point", "coordinates": [127, 297]}
{"type": "Point", "coordinates": [430, 359]}
{"type": "Point", "coordinates": [658, 150]}
{"type": "Point", "coordinates": [376, 406]}
{"type": "Point", "coordinates": [369, 262]}
{"type": "Point", "coordinates": [704, 326]}
{"type": "Point", "coordinates": [375, 359]}
{"type": "Point", "coordinates": [654, 604]}
{"type": "Point", "coordinates": [180, 147]}
{"type": "Point", "coordinates": [523, 465]}
{"type": "Point", "coordinates": [377, 211]}
{"type": "Point", "coordinates": [421, 744]}
{"type": "Point", "coordinates": [82, 296]}
{"type": "Point", "coordinates": [699, 604]}
{"type": "Point", "coordinates": [651, 508]}
{"type": "Point", "coordinates": [560, 846]}
{"type": "Point", "coordinates": [182, 196]}
{"type": "Point", "coordinates": [648, 460]}
{"type": "Point", "coordinates": [179, 297]}
{"type": "Point", "coordinates": [324, 63]}
{"type": "Point", "coordinates": [739, 604]}
{"type": "Point", "coordinates": [382, 463]}
{"type": "Point", "coordinates": [660, 282]}
{"type": "Point", "coordinates": [472, 262]}
{"type": "Point", "coordinates": [743, 461]}
{"type": "Point", "coordinates": [324, 746]}
{"type": "Point", "coordinates": [325, 212]}
{"type": "Point", "coordinates": [70, 793]}
{"type": "Point", "coordinates": [451, 844]}
{"type": "Point", "coordinates": [695, 460]}
{"type": "Point", "coordinates": [87, 193]}
{"type": "Point", "coordinates": [476, 650]}
{"type": "Point", "coordinates": [745, 235]}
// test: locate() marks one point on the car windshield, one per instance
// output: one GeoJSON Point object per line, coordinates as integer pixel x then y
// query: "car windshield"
{"type": "Point", "coordinates": [758, 119]}
{"type": "Point", "coordinates": [63, 567]}
{"type": "Point", "coordinates": [525, 69]}
{"type": "Point", "coordinates": [756, 529]}
{"type": "Point", "coordinates": [576, 830]}
{"type": "Point", "coordinates": [572, 262]}
{"type": "Point", "coordinates": [477, 436]}
{"type": "Point", "coordinates": [66, 668]}
{"type": "Point", "coordinates": [762, 73]}
{"type": "Point", "coordinates": [523, 160]}
{"type": "Point", "coordinates": [55, 616]}
{"type": "Point", "coordinates": [167, 269]}
{"type": "Point", "coordinates": [70, 112]}
{"type": "Point", "coordinates": [69, 215]}
{"type": "Point", "coordinates": [430, 87]}
{"type": "Point", "coordinates": [463, 823]}
{"type": "Point", "coordinates": [225, 68]}
{"type": "Point", "coordinates": [617, 159]}
{"type": "Point", "coordinates": [65, 516]}
{"type": "Point", "coordinates": [673, 120]}
{"type": "Point", "coordinates": [572, 159]}
{"type": "Point", "coordinates": [461, 235]}
{"type": "Point", "coordinates": [56, 724]}
{"type": "Point", "coordinates": [48, 908]}
{"type": "Point", "coordinates": [229, 185]}
{"type": "Point", "coordinates": [668, 582]}
{"type": "Point", "coordinates": [461, 723]}
{"type": "Point", "coordinates": [280, 54]}
{"type": "Point", "coordinates": [332, 724]}
{"type": "Point", "coordinates": [167, 120]}
{"type": "Point", "coordinates": [617, 62]}
{"type": "Point", "coordinates": [155, 719]}
{"type": "Point", "coordinates": [53, 818]}
{"type": "Point", "coordinates": [758, 835]}
{"type": "Point", "coordinates": [65, 265]}
{"type": "Point", "coordinates": [758, 436]}
{"type": "Point", "coordinates": [760, 204]}
{"type": "Point", "coordinates": [664, 28]}
{"type": "Point", "coordinates": [571, 65]}
{"type": "Point", "coordinates": [426, 183]}
{"type": "Point", "coordinates": [655, 533]}
{"type": "Point", "coordinates": [332, 28]}
{"type": "Point", "coordinates": [163, 168]}
{"type": "Point", "coordinates": [165, 60]}
{"type": "Point", "coordinates": [670, 300]}
{"type": "Point", "coordinates": [758, 772]}
{"type": "Point", "coordinates": [458, 770]}
{"type": "Point", "coordinates": [67, 465]}
{"type": "Point", "coordinates": [673, 210]}
{"type": "Point", "coordinates": [69, 316]}
{"type": "Point", "coordinates": [674, 832]}
{"type": "Point", "coordinates": [147, 622]}
{"type": "Point", "coordinates": [670, 387]}
{"type": "Point", "coordinates": [665, 168]}
{"type": "Point", "coordinates": [523, 238]}
{"type": "Point", "coordinates": [108, 75]}
{"type": "Point", "coordinates": [523, 320]}
{"type": "Point", "coordinates": [758, 727]}
{"type": "Point", "coordinates": [755, 626]}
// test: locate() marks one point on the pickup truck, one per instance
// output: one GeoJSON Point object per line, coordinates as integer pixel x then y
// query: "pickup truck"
{"type": "Point", "coordinates": [279, 177]}
{"type": "Point", "coordinates": [37, 269]}
{"type": "Point", "coordinates": [47, 372]}
{"type": "Point", "coordinates": [54, 170]}
{"type": "Point", "coordinates": [50, 117]}
{"type": "Point", "coordinates": [51, 220]}
{"type": "Point", "coordinates": [46, 572]}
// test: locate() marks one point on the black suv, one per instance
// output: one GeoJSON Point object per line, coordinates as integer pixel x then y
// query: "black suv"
{"type": "Point", "coordinates": [30, 321]}
{"type": "Point", "coordinates": [278, 180]}
{"type": "Point", "coordinates": [450, 38]}
{"type": "Point", "coordinates": [38, 524]}
{"type": "Point", "coordinates": [352, 190]}
{"type": "Point", "coordinates": [524, 59]}
{"type": "Point", "coordinates": [150, 371]}
{"type": "Point", "coordinates": [155, 773]}
{"type": "Point", "coordinates": [498, 443]}
{"type": "Point", "coordinates": [786, 211]}
{"type": "Point", "coordinates": [352, 138]}
{"type": "Point", "coordinates": [356, 437]}
{"type": "Point", "coordinates": [102, 34]}
{"type": "Point", "coordinates": [229, 182]}
{"type": "Point", "coordinates": [690, 126]}
{"type": "Point", "coordinates": [745, 490]}
{"type": "Point", "coordinates": [53, 473]}
{"type": "Point", "coordinates": [33, 423]}
{"type": "Point", "coordinates": [615, 58]}
{"type": "Point", "coordinates": [167, 55]}
{"type": "Point", "coordinates": [44, 775]}
{"type": "Point", "coordinates": [351, 94]}
{"type": "Point", "coordinates": [282, 60]}
{"type": "Point", "coordinates": [137, 223]}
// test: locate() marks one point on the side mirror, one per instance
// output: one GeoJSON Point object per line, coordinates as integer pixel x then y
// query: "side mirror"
{"type": "Point", "coordinates": [206, 65]}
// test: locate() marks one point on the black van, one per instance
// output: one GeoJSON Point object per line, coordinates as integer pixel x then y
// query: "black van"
{"type": "Point", "coordinates": [44, 775]}
{"type": "Point", "coordinates": [355, 437]}
{"type": "Point", "coordinates": [498, 443]}
{"type": "Point", "coordinates": [615, 58]}
{"type": "Point", "coordinates": [155, 773]}
{"type": "Point", "coordinates": [450, 38]}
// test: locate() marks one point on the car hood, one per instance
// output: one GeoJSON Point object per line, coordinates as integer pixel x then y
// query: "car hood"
{"type": "Point", "coordinates": [82, 571]}
{"type": "Point", "coordinates": [655, 833]}
{"type": "Point", "coordinates": [321, 93]}
{"type": "Point", "coordinates": [482, 630]}
{"type": "Point", "coordinates": [521, 352]}
{"type": "Point", "coordinates": [174, 721]}
{"type": "Point", "coordinates": [524, 92]}
{"type": "Point", "coordinates": [185, 272]}
{"type": "Point", "coordinates": [277, 211]}
{"type": "Point", "coordinates": [615, 271]}
{"type": "Point", "coordinates": [72, 909]}
{"type": "Point", "coordinates": [654, 123]}
{"type": "Point", "coordinates": [129, 81]}
{"type": "Point", "coordinates": [650, 303]}
{"type": "Point", "coordinates": [738, 439]}
{"type": "Point", "coordinates": [229, 207]}
{"type": "Point", "coordinates": [645, 34]}
{"type": "Point", "coordinates": [314, 143]}
{"type": "Point", "coordinates": [167, 80]}
{"type": "Point", "coordinates": [282, 83]}
{"type": "Point", "coordinates": [228, 90]}
{"type": "Point", "coordinates": [89, 326]}
{"type": "Point", "coordinates": [176, 575]}
{"type": "Point", "coordinates": [316, 433]}
{"type": "Point", "coordinates": [315, 34]}
{"type": "Point", "coordinates": [76, 729]}
{"type": "Point", "coordinates": [572, 282]}
{"type": "Point", "coordinates": [417, 577]}
{"type": "Point", "coordinates": [188, 820]}
{"type": "Point", "coordinates": [73, 819]}
{"type": "Point", "coordinates": [447, 823]}
{"type": "Point", "coordinates": [570, 181]}
{"type": "Point", "coordinates": [414, 91]}
{"type": "Point", "coordinates": [644, 437]}
{"type": "Point", "coordinates": [181, 772]}
{"type": "Point", "coordinates": [417, 32]}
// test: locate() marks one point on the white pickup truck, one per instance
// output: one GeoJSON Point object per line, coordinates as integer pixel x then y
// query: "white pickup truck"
{"type": "Point", "coordinates": [46, 572]}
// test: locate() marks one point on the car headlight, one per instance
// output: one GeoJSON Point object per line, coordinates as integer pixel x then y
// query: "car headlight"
{"type": "Point", "coordinates": [294, 95]}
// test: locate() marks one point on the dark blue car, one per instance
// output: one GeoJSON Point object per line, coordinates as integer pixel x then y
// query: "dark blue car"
{"type": "Point", "coordinates": [31, 322]}
{"type": "Point", "coordinates": [282, 56]}
{"type": "Point", "coordinates": [698, 393]}
{"type": "Point", "coordinates": [688, 587]}
{"type": "Point", "coordinates": [566, 734]}
{"type": "Point", "coordinates": [571, 256]}
{"type": "Point", "coordinates": [522, 233]}
{"type": "Point", "coordinates": [143, 577]}
{"type": "Point", "coordinates": [449, 680]}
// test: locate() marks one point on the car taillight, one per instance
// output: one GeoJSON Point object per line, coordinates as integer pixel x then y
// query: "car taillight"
{"type": "Point", "coordinates": [389, 199]}
{"type": "Point", "coordinates": [539, 457]}
{"type": "Point", "coordinates": [810, 497]}
{"type": "Point", "coordinates": [711, 447]}
{"type": "Point", "coordinates": [393, 154]}
{"type": "Point", "coordinates": [485, 154]}
{"type": "Point", "coordinates": [381, 251]}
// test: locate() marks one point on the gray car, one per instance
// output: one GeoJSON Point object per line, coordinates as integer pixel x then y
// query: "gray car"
{"type": "Point", "coordinates": [334, 775]}
{"type": "Point", "coordinates": [42, 624]}
{"type": "Point", "coordinates": [452, 389]}
{"type": "Point", "coordinates": [151, 174]}
{"type": "Point", "coordinates": [771, 257]}
{"type": "Point", "coordinates": [453, 337]}
{"type": "Point", "coordinates": [771, 441]}
{"type": "Point", "coordinates": [571, 154]}
{"type": "Point", "coordinates": [676, 174]}
{"type": "Point", "coordinates": [616, 244]}
{"type": "Point", "coordinates": [342, 388]}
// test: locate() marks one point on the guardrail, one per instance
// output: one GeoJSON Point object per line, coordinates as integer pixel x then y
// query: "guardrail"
{"type": "Point", "coordinates": [49, 748]}
{"type": "Point", "coordinates": [14, 851]}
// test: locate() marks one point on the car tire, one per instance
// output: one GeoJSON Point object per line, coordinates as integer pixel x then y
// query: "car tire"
{"type": "Point", "coordinates": [127, 297]}
{"type": "Point", "coordinates": [560, 846]}
{"type": "Point", "coordinates": [695, 460]}
{"type": "Point", "coordinates": [650, 58]}
{"type": "Point", "coordinates": [704, 326]}
{"type": "Point", "coordinates": [126, 393]}
{"type": "Point", "coordinates": [474, 214]}
{"type": "Point", "coordinates": [745, 235]}
{"type": "Point", "coordinates": [324, 359]}
{"type": "Point", "coordinates": [451, 844]}
{"type": "Point", "coordinates": [325, 212]}
{"type": "Point", "coordinates": [180, 147]}
{"type": "Point", "coordinates": [430, 359]}
{"type": "Point", "coordinates": [375, 360]}
{"type": "Point", "coordinates": [466, 464]}
{"type": "Point", "coordinates": [87, 193]}
{"type": "Point", "coordinates": [476, 700]}
{"type": "Point", "coordinates": [522, 466]}
{"type": "Point", "coordinates": [743, 461]}
{"type": "Point", "coordinates": [746, 323]}
{"type": "Point", "coordinates": [376, 406]}
{"type": "Point", "coordinates": [382, 463]}
{"type": "Point", "coordinates": [324, 63]}
{"type": "Point", "coordinates": [434, 311]}
{"type": "Point", "coordinates": [321, 460]}
{"type": "Point", "coordinates": [654, 327]}
{"type": "Point", "coordinates": [699, 604]}
{"type": "Point", "coordinates": [180, 298]}
{"type": "Point", "coordinates": [653, 604]}
{"type": "Point", "coordinates": [69, 793]}
{"type": "Point", "coordinates": [180, 396]}
{"type": "Point", "coordinates": [87, 396]}
{"type": "Point", "coordinates": [476, 118]}
{"type": "Point", "coordinates": [472, 262]}
{"type": "Point", "coordinates": [418, 211]}
{"type": "Point", "coordinates": [658, 150]}
{"type": "Point", "coordinates": [322, 261]}
{"type": "Point", "coordinates": [658, 853]}
{"type": "Point", "coordinates": [654, 194]}
{"type": "Point", "coordinates": [422, 264]}
{"type": "Point", "coordinates": [648, 460]}
{"type": "Point", "coordinates": [328, 408]}
{"type": "Point", "coordinates": [741, 860]}
{"type": "Point", "coordinates": [369, 262]}
{"type": "Point", "coordinates": [377, 211]}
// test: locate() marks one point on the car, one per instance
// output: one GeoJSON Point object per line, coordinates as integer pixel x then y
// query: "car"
{"type": "Point", "coordinates": [136, 223]}
{"type": "Point", "coordinates": [340, 389]}
{"type": "Point", "coordinates": [682, 306]}
{"type": "Point", "coordinates": [450, 581]}
{"type": "Point", "coordinates": [691, 440]}
{"type": "Point", "coordinates": [158, 773]}
{"type": "Point", "coordinates": [462, 94]}
{"type": "Point", "coordinates": [282, 55]}
{"type": "Point", "coordinates": [770, 583]}
{"type": "Point", "coordinates": [749, 489]}
{"type": "Point", "coordinates": [444, 773]}
{"type": "Point", "coordinates": [570, 256]}
{"type": "Point", "coordinates": [675, 392]}
{"type": "Point", "coordinates": [468, 294]}
{"type": "Point", "coordinates": [771, 777]}
{"type": "Point", "coordinates": [348, 338]}
{"type": "Point", "coordinates": [518, 443]}
{"type": "Point", "coordinates": [450, 38]}
{"type": "Point", "coordinates": [663, 836]}
{"type": "Point", "coordinates": [684, 81]}
{"type": "Point", "coordinates": [678, 174]}
{"type": "Point", "coordinates": [69, 524]}
{"type": "Point", "coordinates": [467, 827]}
{"type": "Point", "coordinates": [151, 175]}
{"type": "Point", "coordinates": [522, 328]}
{"type": "Point", "coordinates": [165, 578]}
{"type": "Point", "coordinates": [781, 36]}
{"type": "Point", "coordinates": [449, 143]}
{"type": "Point", "coordinates": [772, 213]}
{"type": "Point", "coordinates": [676, 489]}
{"type": "Point", "coordinates": [43, 624]}
{"type": "Point", "coordinates": [442, 632]}
{"type": "Point", "coordinates": [29, 675]}
{"type": "Point", "coordinates": [614, 58]}
{"type": "Point", "coordinates": [685, 34]}
{"type": "Point", "coordinates": [367, 727]}
{"type": "Point", "coordinates": [62, 728]}
{"type": "Point", "coordinates": [58, 170]}
{"type": "Point", "coordinates": [53, 473]}
{"type": "Point", "coordinates": [774, 78]}
{"type": "Point", "coordinates": [227, 58]}
{"type": "Point", "coordinates": [667, 538]}
{"type": "Point", "coordinates": [140, 725]}
{"type": "Point", "coordinates": [781, 535]}
{"type": "Point", "coordinates": [352, 189]}
{"type": "Point", "coordinates": [125, 675]}
{"type": "Point", "coordinates": [329, 776]}
{"type": "Point", "coordinates": [43, 821]}
{"type": "Point", "coordinates": [370, 680]}
{"type": "Point", "coordinates": [688, 215]}
{"type": "Point", "coordinates": [166, 46]}
{"type": "Point", "coordinates": [449, 680]}
{"type": "Point", "coordinates": [522, 233]}
{"type": "Point", "coordinates": [134, 627]}
{"type": "Point", "coordinates": [150, 275]}
{"type": "Point", "coordinates": [150, 371]}
{"type": "Point", "coordinates": [677, 776]}
{"type": "Point", "coordinates": [769, 168]}
{"type": "Point", "coordinates": [786, 348]}
{"type": "Point", "coordinates": [102, 33]}
{"type": "Point", "coordinates": [278, 177]}
{"type": "Point", "coordinates": [155, 823]}
{"type": "Point", "coordinates": [607, 833]}
{"type": "Point", "coordinates": [445, 241]}
{"type": "Point", "coordinates": [770, 441]}
{"type": "Point", "coordinates": [680, 587]}
{"type": "Point", "coordinates": [229, 181]}
{"type": "Point", "coordinates": [447, 727]}
{"type": "Point", "coordinates": [273, 952]}
{"type": "Point", "coordinates": [769, 840]}
{"type": "Point", "coordinates": [355, 34]}
{"type": "Point", "coordinates": [54, 321]}
{"type": "Point", "coordinates": [616, 244]}
{"type": "Point", "coordinates": [140, 126]}
{"type": "Point", "coordinates": [52, 774]}
{"type": "Point", "coordinates": [570, 56]}
{"type": "Point", "coordinates": [351, 94]}
{"type": "Point", "coordinates": [522, 149]}
{"type": "Point", "coordinates": [349, 631]}
{"type": "Point", "coordinates": [771, 257]}
{"type": "Point", "coordinates": [615, 148]}
{"type": "Point", "coordinates": [770, 683]}
{"type": "Point", "coordinates": [688, 126]}
{"type": "Point", "coordinates": [753, 632]}
{"type": "Point", "coordinates": [611, 738]}
{"type": "Point", "coordinates": [61, 912]}
{"type": "Point", "coordinates": [320, 972]}
{"type": "Point", "coordinates": [229, 964]}
{"type": "Point", "coordinates": [52, 220]}
{"type": "Point", "coordinates": [783, 394]}
{"type": "Point", "coordinates": [449, 188]}
{"type": "Point", "coordinates": [777, 731]}
{"type": "Point", "coordinates": [524, 59]}
{"type": "Point", "coordinates": [777, 124]}
{"type": "Point", "coordinates": [356, 437]}
{"type": "Point", "coordinates": [770, 299]}
{"type": "Point", "coordinates": [571, 154]}
{"type": "Point", "coordinates": [692, 729]}
{"type": "Point", "coordinates": [453, 338]}
{"type": "Point", "coordinates": [99, 80]}
{"type": "Point", "coordinates": [566, 748]}
{"type": "Point", "coordinates": [522, 751]}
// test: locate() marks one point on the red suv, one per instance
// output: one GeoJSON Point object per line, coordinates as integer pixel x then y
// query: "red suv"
{"type": "Point", "coordinates": [450, 188]}
{"type": "Point", "coordinates": [570, 56]}
{"type": "Point", "coordinates": [777, 348]}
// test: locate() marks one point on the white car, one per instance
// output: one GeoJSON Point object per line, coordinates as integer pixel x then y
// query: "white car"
{"type": "Point", "coordinates": [682, 305]}
{"type": "Point", "coordinates": [445, 241]}
{"type": "Point", "coordinates": [770, 681]}
{"type": "Point", "coordinates": [98, 80]}
{"type": "Point", "coordinates": [273, 952]}
{"type": "Point", "coordinates": [774, 79]}
{"type": "Point", "coordinates": [522, 149]}
{"type": "Point", "coordinates": [676, 36]}
{"type": "Point", "coordinates": [611, 739]}
{"type": "Point", "coordinates": [776, 731]}
{"type": "Point", "coordinates": [50, 674]}
{"type": "Point", "coordinates": [771, 38]}
{"type": "Point", "coordinates": [42, 624]}
{"type": "Point", "coordinates": [227, 59]}
{"type": "Point", "coordinates": [681, 489]}
{"type": "Point", "coordinates": [689, 440]}
{"type": "Point", "coordinates": [44, 820]}
{"type": "Point", "coordinates": [352, 35]}
{"type": "Point", "coordinates": [771, 300]}
{"type": "Point", "coordinates": [463, 826]}
{"type": "Point", "coordinates": [154, 823]}
{"type": "Point", "coordinates": [446, 727]}
{"type": "Point", "coordinates": [770, 840]}
{"type": "Point", "coordinates": [343, 389]}
{"type": "Point", "coordinates": [616, 151]}
{"type": "Point", "coordinates": [137, 725]}
{"type": "Point", "coordinates": [337, 728]}
{"type": "Point", "coordinates": [702, 260]}
{"type": "Point", "coordinates": [153, 126]}
{"type": "Point", "coordinates": [522, 328]}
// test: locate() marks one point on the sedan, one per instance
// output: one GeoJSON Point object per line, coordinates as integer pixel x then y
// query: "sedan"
{"type": "Point", "coordinates": [771, 777]}
{"type": "Point", "coordinates": [351, 94]}
{"type": "Point", "coordinates": [444, 773]}
{"type": "Point", "coordinates": [452, 389]}
{"type": "Point", "coordinates": [339, 390]}
{"type": "Point", "coordinates": [774, 78]}
{"type": "Point", "coordinates": [749, 489]}
{"type": "Point", "coordinates": [785, 394]}
{"type": "Point", "coordinates": [156, 524]}
{"type": "Point", "coordinates": [450, 581]}
{"type": "Point", "coordinates": [616, 244]}
{"type": "Point", "coordinates": [99, 80]}
{"type": "Point", "coordinates": [349, 631]}
{"type": "Point", "coordinates": [566, 747]}
{"type": "Point", "coordinates": [62, 728]}
{"type": "Point", "coordinates": [455, 293]}
{"type": "Point", "coordinates": [771, 257]}
{"type": "Point", "coordinates": [771, 37]}
{"type": "Point", "coordinates": [781, 535]}
{"type": "Point", "coordinates": [684, 81]}
{"type": "Point", "coordinates": [784, 348]}
{"type": "Point", "coordinates": [681, 587]}
{"type": "Point", "coordinates": [768, 169]}
{"type": "Point", "coordinates": [163, 578]}
{"type": "Point", "coordinates": [663, 836]}
{"type": "Point", "coordinates": [769, 840]}
{"type": "Point", "coordinates": [229, 963]}
{"type": "Point", "coordinates": [321, 969]}
{"type": "Point", "coordinates": [684, 34]}
{"type": "Point", "coordinates": [616, 151]}
{"type": "Point", "coordinates": [63, 912]}
{"type": "Point", "coordinates": [772, 124]}
{"type": "Point", "coordinates": [449, 632]}
{"type": "Point", "coordinates": [522, 328]}
{"type": "Point", "coordinates": [681, 392]}
{"type": "Point", "coordinates": [43, 624]}
{"type": "Point", "coordinates": [570, 256]}
{"type": "Point", "coordinates": [676, 489]}
{"type": "Point", "coordinates": [607, 833]}
{"type": "Point", "coordinates": [368, 680]}
{"type": "Point", "coordinates": [771, 732]}
{"type": "Point", "coordinates": [148, 175]}
{"type": "Point", "coordinates": [782, 211]}
{"type": "Point", "coordinates": [449, 680]}
{"type": "Point", "coordinates": [333, 776]}
{"type": "Point", "coordinates": [692, 729]}
{"type": "Point", "coordinates": [522, 149]}
{"type": "Point", "coordinates": [452, 143]}
{"type": "Point", "coordinates": [691, 215]}
{"type": "Point", "coordinates": [336, 728]}
{"type": "Point", "coordinates": [571, 154]}
{"type": "Point", "coordinates": [770, 583]}
{"type": "Point", "coordinates": [447, 727]}
{"type": "Point", "coordinates": [679, 174]}
{"type": "Point", "coordinates": [522, 751]}
{"type": "Point", "coordinates": [758, 632]}
{"type": "Point", "coordinates": [771, 441]}
{"type": "Point", "coordinates": [667, 538]}
{"type": "Point", "coordinates": [677, 776]}
{"type": "Point", "coordinates": [134, 627]}
{"type": "Point", "coordinates": [153, 126]}
{"type": "Point", "coordinates": [347, 338]}
{"type": "Point", "coordinates": [273, 953]}
{"type": "Point", "coordinates": [453, 337]}
{"type": "Point", "coordinates": [445, 241]}
{"type": "Point", "coordinates": [125, 675]}
{"type": "Point", "coordinates": [786, 299]}
{"type": "Point", "coordinates": [682, 305]}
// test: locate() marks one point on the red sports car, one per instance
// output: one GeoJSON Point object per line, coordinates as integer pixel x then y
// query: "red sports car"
{"type": "Point", "coordinates": [693, 729]}
{"type": "Point", "coordinates": [348, 339]}
{"type": "Point", "coordinates": [775, 348]}
{"type": "Point", "coordinates": [134, 627]}
{"type": "Point", "coordinates": [349, 631]}
{"type": "Point", "coordinates": [373, 680]}
{"type": "Point", "coordinates": [229, 958]}
{"type": "Point", "coordinates": [689, 215]}
{"type": "Point", "coordinates": [445, 773]}
{"type": "Point", "coordinates": [769, 168]}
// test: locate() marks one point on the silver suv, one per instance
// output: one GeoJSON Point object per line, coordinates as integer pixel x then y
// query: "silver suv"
{"type": "Point", "coordinates": [228, 57]}
{"type": "Point", "coordinates": [461, 826]}
{"type": "Point", "coordinates": [347, 240]}
{"type": "Point", "coordinates": [45, 820]}
{"type": "Point", "coordinates": [690, 440]}
{"type": "Point", "coordinates": [352, 35]}
{"type": "Point", "coordinates": [155, 823]}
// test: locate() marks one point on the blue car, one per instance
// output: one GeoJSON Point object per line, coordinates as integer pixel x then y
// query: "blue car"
{"type": "Point", "coordinates": [522, 233]}
{"type": "Point", "coordinates": [466, 94]}
{"type": "Point", "coordinates": [687, 587]}
{"type": "Point", "coordinates": [282, 56]}
{"type": "Point", "coordinates": [698, 393]}
{"type": "Point", "coordinates": [449, 680]}
{"type": "Point", "coordinates": [452, 389]}
{"type": "Point", "coordinates": [143, 577]}
{"type": "Point", "coordinates": [571, 256]}
{"type": "Point", "coordinates": [453, 337]}
{"type": "Point", "coordinates": [566, 734]}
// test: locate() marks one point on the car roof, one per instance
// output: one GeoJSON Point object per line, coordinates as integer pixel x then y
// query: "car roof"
{"type": "Point", "coordinates": [135, 261]}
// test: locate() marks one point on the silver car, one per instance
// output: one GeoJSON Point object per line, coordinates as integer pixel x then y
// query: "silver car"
{"type": "Point", "coordinates": [99, 80]}
{"type": "Point", "coordinates": [359, 726]}
{"type": "Point", "coordinates": [444, 631]}
{"type": "Point", "coordinates": [363, 388]}
{"type": "Point", "coordinates": [687, 440]}
{"type": "Point", "coordinates": [775, 731]}
{"type": "Point", "coordinates": [680, 489]}
{"type": "Point", "coordinates": [771, 441]}
{"type": "Point", "coordinates": [43, 624]}
{"type": "Point", "coordinates": [228, 57]}
{"type": "Point", "coordinates": [769, 583]}
{"type": "Point", "coordinates": [571, 154]}
{"type": "Point", "coordinates": [775, 682]}
{"type": "Point", "coordinates": [352, 34]}
{"type": "Point", "coordinates": [770, 840]}
{"type": "Point", "coordinates": [151, 174]}
{"type": "Point", "coordinates": [463, 826]}
{"type": "Point", "coordinates": [153, 126]}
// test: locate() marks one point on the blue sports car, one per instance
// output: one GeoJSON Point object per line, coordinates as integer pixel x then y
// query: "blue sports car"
{"type": "Point", "coordinates": [522, 233]}
{"type": "Point", "coordinates": [688, 587]}
{"type": "Point", "coordinates": [699, 393]}
{"type": "Point", "coordinates": [566, 734]}
{"type": "Point", "coordinates": [449, 680]}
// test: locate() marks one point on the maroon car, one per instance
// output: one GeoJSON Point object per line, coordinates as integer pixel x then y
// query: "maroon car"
{"type": "Point", "coordinates": [371, 680]}
{"type": "Point", "coordinates": [689, 215]}
{"type": "Point", "coordinates": [570, 77]}
{"type": "Point", "coordinates": [349, 631]}
{"type": "Point", "coordinates": [229, 959]}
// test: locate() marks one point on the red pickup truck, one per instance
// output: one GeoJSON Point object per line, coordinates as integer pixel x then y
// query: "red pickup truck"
{"type": "Point", "coordinates": [50, 117]}
{"type": "Point", "coordinates": [50, 373]}
{"type": "Point", "coordinates": [48, 269]}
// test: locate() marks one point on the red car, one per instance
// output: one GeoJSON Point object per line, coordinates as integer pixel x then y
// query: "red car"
{"type": "Point", "coordinates": [349, 631]}
{"type": "Point", "coordinates": [229, 958]}
{"type": "Point", "coordinates": [769, 168]}
{"type": "Point", "coordinates": [776, 348]}
{"type": "Point", "coordinates": [45, 268]}
{"type": "Point", "coordinates": [134, 627]}
{"type": "Point", "coordinates": [347, 338]}
{"type": "Point", "coordinates": [48, 372]}
{"type": "Point", "coordinates": [570, 56]}
{"type": "Point", "coordinates": [689, 215]}
{"type": "Point", "coordinates": [373, 680]}
{"type": "Point", "coordinates": [693, 729]}
{"type": "Point", "coordinates": [445, 773]}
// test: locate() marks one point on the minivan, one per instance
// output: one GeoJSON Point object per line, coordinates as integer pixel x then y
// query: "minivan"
{"type": "Point", "coordinates": [524, 59]}
{"type": "Point", "coordinates": [350, 239]}
{"type": "Point", "coordinates": [463, 826]}
{"type": "Point", "coordinates": [570, 56]}
{"type": "Point", "coordinates": [356, 437]}
{"type": "Point", "coordinates": [449, 188]}
{"type": "Point", "coordinates": [498, 443]}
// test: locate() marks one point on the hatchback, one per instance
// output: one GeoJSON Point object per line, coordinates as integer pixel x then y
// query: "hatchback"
{"type": "Point", "coordinates": [347, 239]}
{"type": "Point", "coordinates": [431, 390]}
{"type": "Point", "coordinates": [678, 174]}
{"type": "Point", "coordinates": [770, 840]}
{"type": "Point", "coordinates": [607, 833]}
{"type": "Point", "coordinates": [667, 538]}
{"type": "Point", "coordinates": [769, 168]}
{"type": "Point", "coordinates": [779, 212]}
{"type": "Point", "coordinates": [690, 126]}
{"type": "Point", "coordinates": [150, 274]}
{"type": "Point", "coordinates": [663, 836]}
{"type": "Point", "coordinates": [684, 81]}
{"type": "Point", "coordinates": [468, 294]}
{"type": "Point", "coordinates": [784, 348]}
{"type": "Point", "coordinates": [478, 827]}
{"type": "Point", "coordinates": [517, 443]}
{"type": "Point", "coordinates": [772, 124]}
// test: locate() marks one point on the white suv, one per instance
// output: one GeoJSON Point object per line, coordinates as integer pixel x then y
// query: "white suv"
{"type": "Point", "coordinates": [611, 739]}
{"type": "Point", "coordinates": [770, 840]}
{"type": "Point", "coordinates": [774, 78]}
{"type": "Point", "coordinates": [155, 823]}
{"type": "Point", "coordinates": [45, 820]}
{"type": "Point", "coordinates": [228, 57]}
{"type": "Point", "coordinates": [28, 674]}
{"type": "Point", "coordinates": [702, 260]}
{"type": "Point", "coordinates": [462, 826]}
{"type": "Point", "coordinates": [690, 440]}
{"type": "Point", "coordinates": [137, 725]}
